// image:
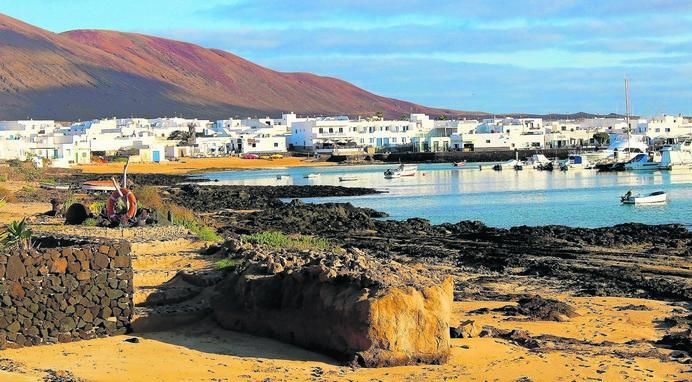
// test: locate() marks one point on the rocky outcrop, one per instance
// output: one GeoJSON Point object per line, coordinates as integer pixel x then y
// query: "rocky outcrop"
{"type": "Point", "coordinates": [64, 290]}
{"type": "Point", "coordinates": [214, 198]}
{"type": "Point", "coordinates": [344, 304]}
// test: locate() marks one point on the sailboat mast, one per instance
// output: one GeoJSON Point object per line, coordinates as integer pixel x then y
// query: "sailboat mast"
{"type": "Point", "coordinates": [627, 114]}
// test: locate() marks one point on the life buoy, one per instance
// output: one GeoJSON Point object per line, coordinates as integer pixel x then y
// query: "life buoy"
{"type": "Point", "coordinates": [129, 198]}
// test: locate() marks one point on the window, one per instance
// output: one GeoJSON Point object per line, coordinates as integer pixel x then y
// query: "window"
{"type": "Point", "coordinates": [658, 130]}
{"type": "Point", "coordinates": [394, 140]}
{"type": "Point", "coordinates": [276, 144]}
{"type": "Point", "coordinates": [341, 129]}
{"type": "Point", "coordinates": [372, 140]}
{"type": "Point", "coordinates": [487, 141]}
{"type": "Point", "coordinates": [403, 140]}
{"type": "Point", "coordinates": [362, 140]}
{"type": "Point", "coordinates": [331, 130]}
{"type": "Point", "coordinates": [254, 145]}
{"type": "Point", "coordinates": [321, 130]}
{"type": "Point", "coordinates": [667, 129]}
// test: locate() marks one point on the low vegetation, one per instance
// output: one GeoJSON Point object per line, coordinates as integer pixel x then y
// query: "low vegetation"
{"type": "Point", "coordinates": [18, 235]}
{"type": "Point", "coordinates": [227, 264]}
{"type": "Point", "coordinates": [275, 239]}
{"type": "Point", "coordinates": [149, 197]}
{"type": "Point", "coordinates": [6, 195]}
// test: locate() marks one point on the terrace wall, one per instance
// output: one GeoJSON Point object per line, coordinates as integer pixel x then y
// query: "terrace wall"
{"type": "Point", "coordinates": [63, 290]}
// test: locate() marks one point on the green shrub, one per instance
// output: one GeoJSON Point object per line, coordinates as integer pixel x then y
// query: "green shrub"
{"type": "Point", "coordinates": [227, 264]}
{"type": "Point", "coordinates": [96, 207]}
{"type": "Point", "coordinates": [90, 222]}
{"type": "Point", "coordinates": [3, 178]}
{"type": "Point", "coordinates": [275, 239]}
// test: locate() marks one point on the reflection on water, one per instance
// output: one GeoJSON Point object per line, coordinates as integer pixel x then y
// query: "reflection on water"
{"type": "Point", "coordinates": [443, 193]}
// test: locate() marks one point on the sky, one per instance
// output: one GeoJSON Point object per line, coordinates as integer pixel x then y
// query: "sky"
{"type": "Point", "coordinates": [499, 56]}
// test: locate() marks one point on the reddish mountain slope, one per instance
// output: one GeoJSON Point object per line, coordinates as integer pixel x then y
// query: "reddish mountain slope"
{"type": "Point", "coordinates": [88, 74]}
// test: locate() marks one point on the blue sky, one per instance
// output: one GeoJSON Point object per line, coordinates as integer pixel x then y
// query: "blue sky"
{"type": "Point", "coordinates": [536, 56]}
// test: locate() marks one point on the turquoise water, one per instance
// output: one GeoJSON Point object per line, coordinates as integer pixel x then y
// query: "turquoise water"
{"type": "Point", "coordinates": [443, 193]}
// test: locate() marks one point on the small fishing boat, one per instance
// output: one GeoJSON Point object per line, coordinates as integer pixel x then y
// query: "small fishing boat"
{"type": "Point", "coordinates": [98, 186]}
{"type": "Point", "coordinates": [312, 176]}
{"type": "Point", "coordinates": [459, 164]}
{"type": "Point", "coordinates": [402, 170]}
{"type": "Point", "coordinates": [57, 187]}
{"type": "Point", "coordinates": [347, 178]}
{"type": "Point", "coordinates": [506, 165]}
{"type": "Point", "coordinates": [278, 177]}
{"type": "Point", "coordinates": [652, 198]}
{"type": "Point", "coordinates": [518, 167]}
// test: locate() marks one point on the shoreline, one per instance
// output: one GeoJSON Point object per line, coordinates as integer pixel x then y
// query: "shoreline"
{"type": "Point", "coordinates": [624, 282]}
{"type": "Point", "coordinates": [193, 166]}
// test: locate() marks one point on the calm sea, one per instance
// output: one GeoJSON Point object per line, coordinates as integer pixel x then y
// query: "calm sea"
{"type": "Point", "coordinates": [443, 193]}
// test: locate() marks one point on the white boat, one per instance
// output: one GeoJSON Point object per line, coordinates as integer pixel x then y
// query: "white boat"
{"type": "Point", "coordinates": [402, 170]}
{"type": "Point", "coordinates": [578, 161]}
{"type": "Point", "coordinates": [509, 165]}
{"type": "Point", "coordinates": [312, 176]}
{"type": "Point", "coordinates": [537, 161]}
{"type": "Point", "coordinates": [677, 156]}
{"type": "Point", "coordinates": [347, 178]}
{"type": "Point", "coordinates": [652, 198]}
{"type": "Point", "coordinates": [459, 164]}
{"type": "Point", "coordinates": [643, 162]}
{"type": "Point", "coordinates": [57, 187]}
{"type": "Point", "coordinates": [278, 177]}
{"type": "Point", "coordinates": [98, 186]}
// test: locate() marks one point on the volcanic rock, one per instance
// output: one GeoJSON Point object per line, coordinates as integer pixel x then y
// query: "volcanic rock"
{"type": "Point", "coordinates": [342, 303]}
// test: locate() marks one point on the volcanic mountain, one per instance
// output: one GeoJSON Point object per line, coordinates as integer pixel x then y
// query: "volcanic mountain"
{"type": "Point", "coordinates": [86, 74]}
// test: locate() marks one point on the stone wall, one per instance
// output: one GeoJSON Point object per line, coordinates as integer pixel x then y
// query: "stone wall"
{"type": "Point", "coordinates": [346, 305]}
{"type": "Point", "coordinates": [63, 290]}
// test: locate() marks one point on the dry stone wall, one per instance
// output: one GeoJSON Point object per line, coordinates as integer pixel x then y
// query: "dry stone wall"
{"type": "Point", "coordinates": [64, 289]}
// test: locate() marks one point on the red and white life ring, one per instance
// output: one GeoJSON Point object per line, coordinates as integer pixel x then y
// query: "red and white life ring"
{"type": "Point", "coordinates": [129, 198]}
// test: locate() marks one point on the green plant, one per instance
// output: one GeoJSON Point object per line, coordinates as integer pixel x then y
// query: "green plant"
{"type": "Point", "coordinates": [90, 222]}
{"type": "Point", "coordinates": [97, 207]}
{"type": "Point", "coordinates": [275, 239]}
{"type": "Point", "coordinates": [3, 178]}
{"type": "Point", "coordinates": [3, 203]}
{"type": "Point", "coordinates": [18, 235]}
{"type": "Point", "coordinates": [227, 264]}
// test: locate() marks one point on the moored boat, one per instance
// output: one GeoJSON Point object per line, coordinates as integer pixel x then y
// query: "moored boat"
{"type": "Point", "coordinates": [510, 164]}
{"type": "Point", "coordinates": [642, 162]}
{"type": "Point", "coordinates": [677, 156]}
{"type": "Point", "coordinates": [402, 170]}
{"type": "Point", "coordinates": [312, 176]}
{"type": "Point", "coordinates": [652, 198]}
{"type": "Point", "coordinates": [459, 164]}
{"type": "Point", "coordinates": [347, 178]}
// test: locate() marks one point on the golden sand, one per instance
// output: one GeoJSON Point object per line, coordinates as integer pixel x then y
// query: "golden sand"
{"type": "Point", "coordinates": [190, 165]}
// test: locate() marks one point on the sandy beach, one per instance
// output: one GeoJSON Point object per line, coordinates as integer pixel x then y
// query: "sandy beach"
{"type": "Point", "coordinates": [611, 338]}
{"type": "Point", "coordinates": [192, 165]}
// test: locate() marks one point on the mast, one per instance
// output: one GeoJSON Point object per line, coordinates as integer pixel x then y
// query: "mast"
{"type": "Point", "coordinates": [627, 116]}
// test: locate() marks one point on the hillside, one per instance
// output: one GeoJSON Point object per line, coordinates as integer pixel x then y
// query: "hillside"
{"type": "Point", "coordinates": [86, 74]}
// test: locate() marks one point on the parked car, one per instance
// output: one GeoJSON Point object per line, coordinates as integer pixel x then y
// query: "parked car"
{"type": "Point", "coordinates": [277, 156]}
{"type": "Point", "coordinates": [250, 156]}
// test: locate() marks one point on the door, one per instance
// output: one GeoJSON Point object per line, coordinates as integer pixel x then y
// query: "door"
{"type": "Point", "coordinates": [157, 156]}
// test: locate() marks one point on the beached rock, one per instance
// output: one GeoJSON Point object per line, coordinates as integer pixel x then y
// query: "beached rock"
{"type": "Point", "coordinates": [344, 304]}
{"type": "Point", "coordinates": [539, 308]}
{"type": "Point", "coordinates": [466, 329]}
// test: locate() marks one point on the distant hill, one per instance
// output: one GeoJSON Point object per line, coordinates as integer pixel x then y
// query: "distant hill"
{"type": "Point", "coordinates": [89, 74]}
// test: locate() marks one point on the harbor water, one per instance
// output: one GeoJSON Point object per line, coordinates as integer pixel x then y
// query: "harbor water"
{"type": "Point", "coordinates": [443, 193]}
